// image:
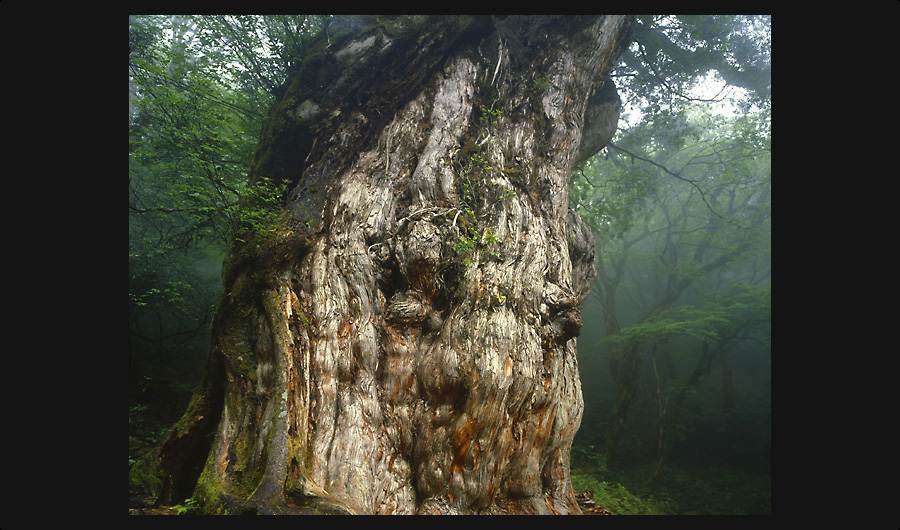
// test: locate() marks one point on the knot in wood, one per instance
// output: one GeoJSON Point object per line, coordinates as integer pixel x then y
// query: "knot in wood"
{"type": "Point", "coordinates": [407, 308]}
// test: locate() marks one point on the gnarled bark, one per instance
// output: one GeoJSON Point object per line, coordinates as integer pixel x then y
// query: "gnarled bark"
{"type": "Point", "coordinates": [409, 346]}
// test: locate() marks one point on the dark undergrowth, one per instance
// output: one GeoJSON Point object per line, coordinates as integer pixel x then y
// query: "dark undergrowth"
{"type": "Point", "coordinates": [155, 403]}
{"type": "Point", "coordinates": [685, 488]}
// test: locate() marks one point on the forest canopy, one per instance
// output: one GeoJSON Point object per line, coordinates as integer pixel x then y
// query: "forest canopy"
{"type": "Point", "coordinates": [679, 203]}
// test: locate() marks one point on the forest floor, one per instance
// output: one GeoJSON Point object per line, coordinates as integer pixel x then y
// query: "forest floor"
{"type": "Point", "coordinates": [155, 404]}
{"type": "Point", "coordinates": [140, 503]}
{"type": "Point", "coordinates": [684, 489]}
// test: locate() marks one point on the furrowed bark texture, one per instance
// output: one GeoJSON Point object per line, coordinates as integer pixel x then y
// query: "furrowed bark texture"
{"type": "Point", "coordinates": [409, 347]}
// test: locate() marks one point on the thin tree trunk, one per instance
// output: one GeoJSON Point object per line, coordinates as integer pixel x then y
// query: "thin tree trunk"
{"type": "Point", "coordinates": [727, 381]}
{"type": "Point", "coordinates": [406, 343]}
{"type": "Point", "coordinates": [628, 363]}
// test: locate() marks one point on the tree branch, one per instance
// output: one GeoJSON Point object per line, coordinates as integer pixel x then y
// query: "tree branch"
{"type": "Point", "coordinates": [679, 177]}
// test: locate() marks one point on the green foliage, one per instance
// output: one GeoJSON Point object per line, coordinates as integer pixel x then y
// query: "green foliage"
{"type": "Point", "coordinates": [589, 472]}
{"type": "Point", "coordinates": [619, 500]}
{"type": "Point", "coordinates": [541, 84]}
{"type": "Point", "coordinates": [260, 212]}
{"type": "Point", "coordinates": [665, 118]}
{"type": "Point", "coordinates": [471, 240]}
{"type": "Point", "coordinates": [191, 139]}
{"type": "Point", "coordinates": [475, 167]}
{"type": "Point", "coordinates": [737, 305]}
{"type": "Point", "coordinates": [611, 208]}
{"type": "Point", "coordinates": [154, 404]}
{"type": "Point", "coordinates": [681, 321]}
{"type": "Point", "coordinates": [199, 89]}
{"type": "Point", "coordinates": [672, 54]}
{"type": "Point", "coordinates": [741, 305]}
{"type": "Point", "coordinates": [142, 473]}
{"type": "Point", "coordinates": [188, 506]}
{"type": "Point", "coordinates": [684, 490]}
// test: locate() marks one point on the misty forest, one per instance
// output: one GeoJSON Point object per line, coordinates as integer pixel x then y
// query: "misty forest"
{"type": "Point", "coordinates": [449, 264]}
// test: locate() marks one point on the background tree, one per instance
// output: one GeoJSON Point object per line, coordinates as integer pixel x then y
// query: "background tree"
{"type": "Point", "coordinates": [402, 339]}
{"type": "Point", "coordinates": [682, 286]}
{"type": "Point", "coordinates": [736, 313]}
{"type": "Point", "coordinates": [721, 165]}
{"type": "Point", "coordinates": [733, 210]}
{"type": "Point", "coordinates": [196, 105]}
{"type": "Point", "coordinates": [679, 203]}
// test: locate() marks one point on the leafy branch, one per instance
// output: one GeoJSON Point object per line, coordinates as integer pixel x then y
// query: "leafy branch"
{"type": "Point", "coordinates": [682, 321]}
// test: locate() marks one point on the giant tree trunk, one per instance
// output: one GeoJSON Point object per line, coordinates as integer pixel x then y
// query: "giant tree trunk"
{"type": "Point", "coordinates": [406, 343]}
